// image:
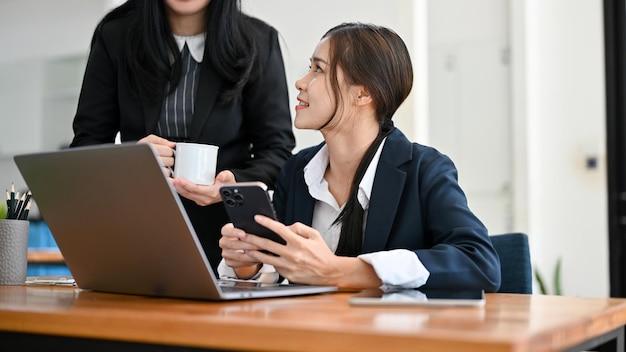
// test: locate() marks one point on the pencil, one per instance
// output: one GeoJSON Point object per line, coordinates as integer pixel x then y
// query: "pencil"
{"type": "Point", "coordinates": [20, 206]}
{"type": "Point", "coordinates": [28, 203]}
{"type": "Point", "coordinates": [28, 196]}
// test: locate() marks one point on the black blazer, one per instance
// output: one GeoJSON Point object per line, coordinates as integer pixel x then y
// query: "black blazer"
{"type": "Point", "coordinates": [416, 204]}
{"type": "Point", "coordinates": [254, 132]}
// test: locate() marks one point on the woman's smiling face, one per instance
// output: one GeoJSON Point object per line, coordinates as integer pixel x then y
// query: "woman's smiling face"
{"type": "Point", "coordinates": [316, 100]}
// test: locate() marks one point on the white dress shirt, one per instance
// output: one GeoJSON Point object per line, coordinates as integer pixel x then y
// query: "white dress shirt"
{"type": "Point", "coordinates": [195, 43]}
{"type": "Point", "coordinates": [399, 267]}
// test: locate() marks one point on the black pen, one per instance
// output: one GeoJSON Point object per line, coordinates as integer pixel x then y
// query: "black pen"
{"type": "Point", "coordinates": [11, 210]}
{"type": "Point", "coordinates": [24, 214]}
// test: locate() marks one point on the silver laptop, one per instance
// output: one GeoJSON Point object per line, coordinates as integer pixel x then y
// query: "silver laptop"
{"type": "Point", "coordinates": [121, 227]}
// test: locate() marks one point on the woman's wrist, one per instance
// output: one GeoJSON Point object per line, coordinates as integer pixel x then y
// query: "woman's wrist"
{"type": "Point", "coordinates": [248, 272]}
{"type": "Point", "coordinates": [354, 273]}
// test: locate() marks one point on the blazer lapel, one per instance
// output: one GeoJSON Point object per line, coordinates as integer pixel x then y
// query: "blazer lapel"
{"type": "Point", "coordinates": [306, 204]}
{"type": "Point", "coordinates": [209, 87]}
{"type": "Point", "coordinates": [386, 191]}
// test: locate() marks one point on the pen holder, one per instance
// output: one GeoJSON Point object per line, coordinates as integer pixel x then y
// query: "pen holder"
{"type": "Point", "coordinates": [13, 251]}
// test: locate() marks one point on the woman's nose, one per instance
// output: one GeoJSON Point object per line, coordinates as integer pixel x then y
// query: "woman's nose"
{"type": "Point", "coordinates": [299, 84]}
{"type": "Point", "coordinates": [302, 82]}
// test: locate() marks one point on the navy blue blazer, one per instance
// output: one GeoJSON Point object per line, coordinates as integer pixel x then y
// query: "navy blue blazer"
{"type": "Point", "coordinates": [254, 131]}
{"type": "Point", "coordinates": [416, 204]}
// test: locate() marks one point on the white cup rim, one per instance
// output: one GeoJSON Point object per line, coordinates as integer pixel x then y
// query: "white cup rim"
{"type": "Point", "coordinates": [197, 144]}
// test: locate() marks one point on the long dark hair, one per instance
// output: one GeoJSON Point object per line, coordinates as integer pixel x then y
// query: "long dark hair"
{"type": "Point", "coordinates": [149, 44]}
{"type": "Point", "coordinates": [376, 58]}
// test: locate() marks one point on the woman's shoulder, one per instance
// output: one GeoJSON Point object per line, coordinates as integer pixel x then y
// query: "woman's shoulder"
{"type": "Point", "coordinates": [110, 34]}
{"type": "Point", "coordinates": [257, 27]}
{"type": "Point", "coordinates": [113, 28]}
{"type": "Point", "coordinates": [400, 150]}
{"type": "Point", "coordinates": [309, 152]}
{"type": "Point", "coordinates": [401, 147]}
{"type": "Point", "coordinates": [301, 158]}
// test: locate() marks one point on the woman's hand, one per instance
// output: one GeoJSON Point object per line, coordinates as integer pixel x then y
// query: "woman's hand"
{"type": "Point", "coordinates": [235, 252]}
{"type": "Point", "coordinates": [304, 259]}
{"type": "Point", "coordinates": [165, 150]}
{"type": "Point", "coordinates": [201, 194]}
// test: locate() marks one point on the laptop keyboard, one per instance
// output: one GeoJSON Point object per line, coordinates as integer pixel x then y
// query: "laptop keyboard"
{"type": "Point", "coordinates": [251, 286]}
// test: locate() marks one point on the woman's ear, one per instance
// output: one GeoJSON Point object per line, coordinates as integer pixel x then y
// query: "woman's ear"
{"type": "Point", "coordinates": [361, 95]}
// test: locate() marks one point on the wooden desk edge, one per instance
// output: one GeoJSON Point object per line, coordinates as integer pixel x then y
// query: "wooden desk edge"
{"type": "Point", "coordinates": [45, 257]}
{"type": "Point", "coordinates": [214, 331]}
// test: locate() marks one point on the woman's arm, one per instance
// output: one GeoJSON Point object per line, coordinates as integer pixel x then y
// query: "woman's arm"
{"type": "Point", "coordinates": [97, 118]}
{"type": "Point", "coordinates": [267, 120]}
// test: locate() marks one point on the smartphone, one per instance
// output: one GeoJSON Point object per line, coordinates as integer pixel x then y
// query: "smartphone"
{"type": "Point", "coordinates": [414, 297]}
{"type": "Point", "coordinates": [244, 200]}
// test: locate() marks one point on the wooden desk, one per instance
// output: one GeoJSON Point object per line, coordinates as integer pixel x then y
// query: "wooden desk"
{"type": "Point", "coordinates": [45, 257]}
{"type": "Point", "coordinates": [311, 323]}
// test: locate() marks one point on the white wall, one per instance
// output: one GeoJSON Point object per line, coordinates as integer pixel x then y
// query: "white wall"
{"type": "Point", "coordinates": [20, 106]}
{"type": "Point", "coordinates": [470, 101]}
{"type": "Point", "coordinates": [301, 24]}
{"type": "Point", "coordinates": [46, 29]}
{"type": "Point", "coordinates": [564, 106]}
{"type": "Point", "coordinates": [36, 36]}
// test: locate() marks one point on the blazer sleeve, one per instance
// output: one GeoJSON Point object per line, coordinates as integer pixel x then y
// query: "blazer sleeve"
{"type": "Point", "coordinates": [460, 253]}
{"type": "Point", "coordinates": [97, 116]}
{"type": "Point", "coordinates": [267, 120]}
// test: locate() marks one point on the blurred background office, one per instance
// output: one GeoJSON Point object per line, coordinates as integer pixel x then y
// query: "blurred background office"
{"type": "Point", "coordinates": [512, 90]}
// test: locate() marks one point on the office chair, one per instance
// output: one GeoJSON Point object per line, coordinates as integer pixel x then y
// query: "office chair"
{"type": "Point", "coordinates": [516, 270]}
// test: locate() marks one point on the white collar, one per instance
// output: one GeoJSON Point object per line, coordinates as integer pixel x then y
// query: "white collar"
{"type": "Point", "coordinates": [318, 187]}
{"type": "Point", "coordinates": [195, 43]}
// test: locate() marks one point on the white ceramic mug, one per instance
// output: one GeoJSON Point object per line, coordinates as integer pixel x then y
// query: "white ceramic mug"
{"type": "Point", "coordinates": [196, 162]}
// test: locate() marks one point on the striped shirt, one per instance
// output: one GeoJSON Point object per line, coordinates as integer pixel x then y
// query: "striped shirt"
{"type": "Point", "coordinates": [178, 107]}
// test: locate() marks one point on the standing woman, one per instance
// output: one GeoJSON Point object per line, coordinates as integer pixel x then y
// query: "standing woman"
{"type": "Point", "coordinates": [163, 71]}
{"type": "Point", "coordinates": [367, 207]}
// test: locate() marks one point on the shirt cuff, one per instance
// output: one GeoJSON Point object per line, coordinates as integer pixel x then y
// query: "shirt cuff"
{"type": "Point", "coordinates": [267, 274]}
{"type": "Point", "coordinates": [397, 268]}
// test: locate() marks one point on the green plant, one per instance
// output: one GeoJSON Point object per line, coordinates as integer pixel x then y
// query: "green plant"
{"type": "Point", "coordinates": [556, 280]}
{"type": "Point", "coordinates": [3, 211]}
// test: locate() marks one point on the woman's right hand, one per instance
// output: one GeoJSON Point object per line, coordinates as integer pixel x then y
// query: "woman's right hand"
{"type": "Point", "coordinates": [235, 251]}
{"type": "Point", "coordinates": [165, 150]}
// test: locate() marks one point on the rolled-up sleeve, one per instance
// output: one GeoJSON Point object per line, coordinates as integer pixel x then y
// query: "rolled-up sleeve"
{"type": "Point", "coordinates": [386, 264]}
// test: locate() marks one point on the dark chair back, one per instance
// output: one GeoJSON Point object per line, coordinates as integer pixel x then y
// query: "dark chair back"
{"type": "Point", "coordinates": [515, 263]}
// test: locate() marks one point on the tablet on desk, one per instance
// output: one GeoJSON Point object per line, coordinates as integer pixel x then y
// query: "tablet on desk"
{"type": "Point", "coordinates": [414, 297]}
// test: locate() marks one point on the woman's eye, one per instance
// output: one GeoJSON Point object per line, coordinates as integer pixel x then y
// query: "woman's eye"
{"type": "Point", "coordinates": [316, 69]}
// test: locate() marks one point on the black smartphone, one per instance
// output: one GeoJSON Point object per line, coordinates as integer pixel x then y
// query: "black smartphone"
{"type": "Point", "coordinates": [244, 200]}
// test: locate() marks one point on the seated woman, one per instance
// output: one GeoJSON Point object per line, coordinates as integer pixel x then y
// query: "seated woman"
{"type": "Point", "coordinates": [366, 207]}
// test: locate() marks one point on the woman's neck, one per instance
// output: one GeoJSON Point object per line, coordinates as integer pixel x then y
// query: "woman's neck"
{"type": "Point", "coordinates": [348, 142]}
{"type": "Point", "coordinates": [346, 149]}
{"type": "Point", "coordinates": [186, 25]}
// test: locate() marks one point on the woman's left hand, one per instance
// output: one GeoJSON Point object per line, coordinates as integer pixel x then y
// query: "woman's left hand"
{"type": "Point", "coordinates": [201, 194]}
{"type": "Point", "coordinates": [304, 259]}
